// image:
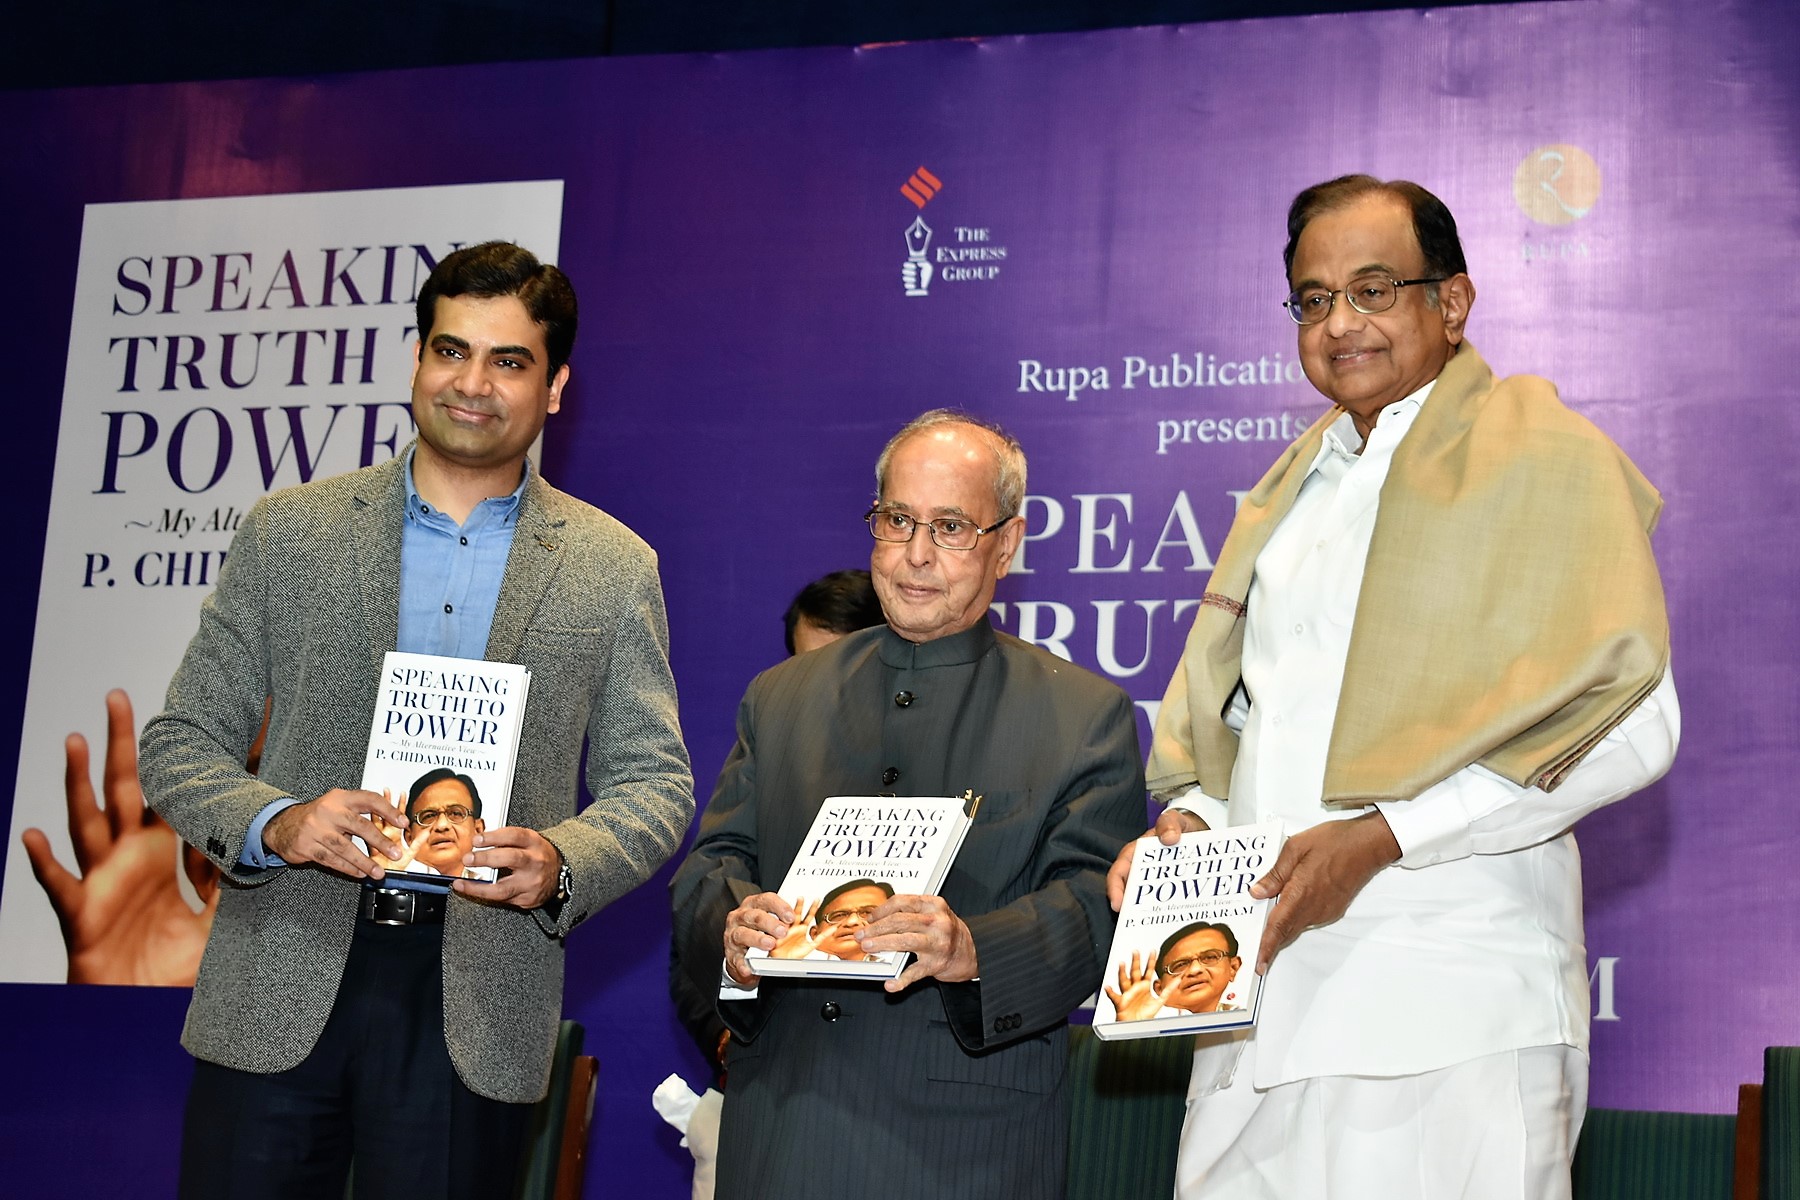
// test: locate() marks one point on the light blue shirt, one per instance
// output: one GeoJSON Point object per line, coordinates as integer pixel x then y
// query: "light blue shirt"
{"type": "Point", "coordinates": [450, 578]}
{"type": "Point", "coordinates": [450, 575]}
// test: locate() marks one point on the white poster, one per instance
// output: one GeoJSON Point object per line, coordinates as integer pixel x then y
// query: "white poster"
{"type": "Point", "coordinates": [218, 349]}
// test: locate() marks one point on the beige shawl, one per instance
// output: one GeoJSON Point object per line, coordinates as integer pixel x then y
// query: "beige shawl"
{"type": "Point", "coordinates": [1511, 612]}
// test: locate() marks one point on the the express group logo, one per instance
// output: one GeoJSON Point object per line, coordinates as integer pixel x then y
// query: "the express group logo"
{"type": "Point", "coordinates": [1558, 186]}
{"type": "Point", "coordinates": [921, 187]}
{"type": "Point", "coordinates": [962, 254]}
{"type": "Point", "coordinates": [916, 274]}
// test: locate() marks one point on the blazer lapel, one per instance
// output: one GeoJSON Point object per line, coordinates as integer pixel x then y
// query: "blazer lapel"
{"type": "Point", "coordinates": [533, 562]}
{"type": "Point", "coordinates": [377, 515]}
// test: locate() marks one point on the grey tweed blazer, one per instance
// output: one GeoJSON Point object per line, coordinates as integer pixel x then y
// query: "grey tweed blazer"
{"type": "Point", "coordinates": [306, 605]}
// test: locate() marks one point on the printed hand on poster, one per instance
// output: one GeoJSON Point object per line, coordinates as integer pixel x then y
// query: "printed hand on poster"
{"type": "Point", "coordinates": [124, 919]}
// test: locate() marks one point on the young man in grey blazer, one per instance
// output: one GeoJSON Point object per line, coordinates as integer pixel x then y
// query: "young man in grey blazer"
{"type": "Point", "coordinates": [335, 1015]}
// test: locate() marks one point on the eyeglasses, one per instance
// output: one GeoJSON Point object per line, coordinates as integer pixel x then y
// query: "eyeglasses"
{"type": "Point", "coordinates": [429, 816]}
{"type": "Point", "coordinates": [947, 533]}
{"type": "Point", "coordinates": [1367, 294]}
{"type": "Point", "coordinates": [838, 916]}
{"type": "Point", "coordinates": [1206, 958]}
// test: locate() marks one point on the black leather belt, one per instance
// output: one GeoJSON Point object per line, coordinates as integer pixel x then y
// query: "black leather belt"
{"type": "Point", "coordinates": [402, 906]}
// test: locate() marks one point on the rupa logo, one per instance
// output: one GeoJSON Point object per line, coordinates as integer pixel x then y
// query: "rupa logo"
{"type": "Point", "coordinates": [1557, 186]}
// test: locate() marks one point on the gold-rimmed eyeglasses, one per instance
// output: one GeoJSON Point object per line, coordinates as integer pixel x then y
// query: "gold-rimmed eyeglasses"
{"type": "Point", "coordinates": [1367, 294]}
{"type": "Point", "coordinates": [947, 533]}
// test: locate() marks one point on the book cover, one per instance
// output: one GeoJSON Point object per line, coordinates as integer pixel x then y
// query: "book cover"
{"type": "Point", "coordinates": [1183, 955]}
{"type": "Point", "coordinates": [860, 851]}
{"type": "Point", "coordinates": [442, 746]}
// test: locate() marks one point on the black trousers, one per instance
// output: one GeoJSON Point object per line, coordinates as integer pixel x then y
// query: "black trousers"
{"type": "Point", "coordinates": [378, 1089]}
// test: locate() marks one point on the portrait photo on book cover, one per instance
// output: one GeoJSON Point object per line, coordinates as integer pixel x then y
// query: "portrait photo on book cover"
{"type": "Point", "coordinates": [1195, 969]}
{"type": "Point", "coordinates": [828, 929]}
{"type": "Point", "coordinates": [443, 810]}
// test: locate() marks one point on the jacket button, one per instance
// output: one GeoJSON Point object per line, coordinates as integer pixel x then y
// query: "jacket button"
{"type": "Point", "coordinates": [830, 1010]}
{"type": "Point", "coordinates": [903, 698]}
{"type": "Point", "coordinates": [890, 775]}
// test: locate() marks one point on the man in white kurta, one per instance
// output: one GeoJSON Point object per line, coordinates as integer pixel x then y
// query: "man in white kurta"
{"type": "Point", "coordinates": [1424, 1023]}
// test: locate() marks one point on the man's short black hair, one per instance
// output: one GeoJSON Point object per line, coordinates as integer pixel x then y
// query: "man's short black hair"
{"type": "Point", "coordinates": [439, 775]}
{"type": "Point", "coordinates": [1432, 222]}
{"type": "Point", "coordinates": [1231, 942]}
{"type": "Point", "coordinates": [840, 889]}
{"type": "Point", "coordinates": [503, 269]}
{"type": "Point", "coordinates": [841, 602]}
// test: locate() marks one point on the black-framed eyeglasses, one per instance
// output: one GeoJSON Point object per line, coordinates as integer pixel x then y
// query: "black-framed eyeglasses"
{"type": "Point", "coordinates": [1367, 294]}
{"type": "Point", "coordinates": [429, 816]}
{"type": "Point", "coordinates": [947, 533]}
{"type": "Point", "coordinates": [1206, 958]}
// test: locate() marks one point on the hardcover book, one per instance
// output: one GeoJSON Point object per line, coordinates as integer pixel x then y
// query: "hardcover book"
{"type": "Point", "coordinates": [860, 851]}
{"type": "Point", "coordinates": [442, 747]}
{"type": "Point", "coordinates": [1183, 955]}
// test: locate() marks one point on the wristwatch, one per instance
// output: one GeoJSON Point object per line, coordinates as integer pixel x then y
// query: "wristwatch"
{"type": "Point", "coordinates": [565, 887]}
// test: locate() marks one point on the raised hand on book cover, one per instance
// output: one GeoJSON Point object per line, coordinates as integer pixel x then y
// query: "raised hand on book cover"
{"type": "Point", "coordinates": [1136, 998]}
{"type": "Point", "coordinates": [410, 846]}
{"type": "Point", "coordinates": [802, 938]}
{"type": "Point", "coordinates": [124, 919]}
{"type": "Point", "coordinates": [761, 920]}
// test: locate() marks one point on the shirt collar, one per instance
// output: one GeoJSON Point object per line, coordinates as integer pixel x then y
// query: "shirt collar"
{"type": "Point", "coordinates": [500, 508]}
{"type": "Point", "coordinates": [1342, 440]}
{"type": "Point", "coordinates": [954, 650]}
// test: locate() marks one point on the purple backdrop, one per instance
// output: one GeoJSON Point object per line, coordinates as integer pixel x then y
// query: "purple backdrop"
{"type": "Point", "coordinates": [737, 229]}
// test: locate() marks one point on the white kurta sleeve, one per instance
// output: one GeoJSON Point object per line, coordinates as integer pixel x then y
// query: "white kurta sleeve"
{"type": "Point", "coordinates": [1476, 811]}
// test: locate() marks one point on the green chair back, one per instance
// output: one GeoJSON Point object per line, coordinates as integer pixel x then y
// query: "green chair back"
{"type": "Point", "coordinates": [1127, 1100]}
{"type": "Point", "coordinates": [544, 1142]}
{"type": "Point", "coordinates": [1781, 1123]}
{"type": "Point", "coordinates": [1627, 1155]}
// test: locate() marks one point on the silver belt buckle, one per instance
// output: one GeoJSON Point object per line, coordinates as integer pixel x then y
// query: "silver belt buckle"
{"type": "Point", "coordinates": [403, 902]}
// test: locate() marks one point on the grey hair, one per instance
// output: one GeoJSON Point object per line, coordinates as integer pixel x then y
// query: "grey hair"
{"type": "Point", "coordinates": [1009, 456]}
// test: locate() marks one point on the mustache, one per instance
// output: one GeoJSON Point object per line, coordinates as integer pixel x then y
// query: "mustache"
{"type": "Point", "coordinates": [479, 407]}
